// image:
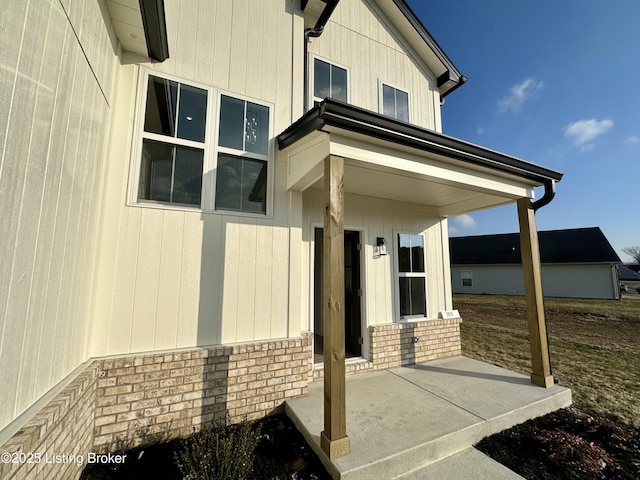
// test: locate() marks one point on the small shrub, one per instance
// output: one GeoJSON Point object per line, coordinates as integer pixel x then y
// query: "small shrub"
{"type": "Point", "coordinates": [219, 452]}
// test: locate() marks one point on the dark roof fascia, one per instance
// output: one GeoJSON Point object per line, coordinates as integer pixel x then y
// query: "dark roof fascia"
{"type": "Point", "coordinates": [453, 73]}
{"type": "Point", "coordinates": [155, 29]}
{"type": "Point", "coordinates": [333, 113]}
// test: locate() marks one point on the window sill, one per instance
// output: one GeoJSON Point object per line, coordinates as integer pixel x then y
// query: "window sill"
{"type": "Point", "coordinates": [186, 208]}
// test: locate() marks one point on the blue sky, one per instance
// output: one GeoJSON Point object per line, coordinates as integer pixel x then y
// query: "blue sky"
{"type": "Point", "coordinates": [554, 83]}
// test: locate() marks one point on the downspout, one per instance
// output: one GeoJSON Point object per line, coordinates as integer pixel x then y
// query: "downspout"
{"type": "Point", "coordinates": [315, 32]}
{"type": "Point", "coordinates": [549, 193]}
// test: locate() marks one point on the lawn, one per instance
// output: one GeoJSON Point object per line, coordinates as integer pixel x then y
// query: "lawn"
{"type": "Point", "coordinates": [595, 346]}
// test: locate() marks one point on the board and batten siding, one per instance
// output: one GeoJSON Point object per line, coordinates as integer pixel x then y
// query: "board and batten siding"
{"type": "Point", "coordinates": [184, 278]}
{"type": "Point", "coordinates": [55, 94]}
{"type": "Point", "coordinates": [361, 38]}
{"type": "Point", "coordinates": [562, 280]}
{"type": "Point", "coordinates": [376, 217]}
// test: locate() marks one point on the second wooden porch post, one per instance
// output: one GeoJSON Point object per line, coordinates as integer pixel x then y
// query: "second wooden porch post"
{"type": "Point", "coordinates": [530, 251]}
{"type": "Point", "coordinates": [334, 440]}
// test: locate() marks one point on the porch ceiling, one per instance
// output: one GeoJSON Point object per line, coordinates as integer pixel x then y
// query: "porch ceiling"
{"type": "Point", "coordinates": [393, 160]}
{"type": "Point", "coordinates": [365, 179]}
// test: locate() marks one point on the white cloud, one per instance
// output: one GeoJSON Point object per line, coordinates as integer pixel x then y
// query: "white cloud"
{"type": "Point", "coordinates": [465, 221]}
{"type": "Point", "coordinates": [519, 94]}
{"type": "Point", "coordinates": [632, 139]}
{"type": "Point", "coordinates": [479, 130]}
{"type": "Point", "coordinates": [461, 222]}
{"type": "Point", "coordinates": [583, 132]}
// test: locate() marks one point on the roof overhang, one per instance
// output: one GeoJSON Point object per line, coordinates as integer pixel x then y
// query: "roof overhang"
{"type": "Point", "coordinates": [389, 159]}
{"type": "Point", "coordinates": [413, 31]}
{"type": "Point", "coordinates": [140, 27]}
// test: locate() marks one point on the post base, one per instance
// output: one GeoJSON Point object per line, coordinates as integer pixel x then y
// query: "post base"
{"type": "Point", "coordinates": [335, 448]}
{"type": "Point", "coordinates": [546, 381]}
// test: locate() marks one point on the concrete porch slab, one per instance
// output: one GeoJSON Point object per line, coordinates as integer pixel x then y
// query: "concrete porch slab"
{"type": "Point", "coordinates": [404, 419]}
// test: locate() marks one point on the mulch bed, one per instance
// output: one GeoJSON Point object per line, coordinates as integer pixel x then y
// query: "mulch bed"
{"type": "Point", "coordinates": [568, 444]}
{"type": "Point", "coordinates": [282, 454]}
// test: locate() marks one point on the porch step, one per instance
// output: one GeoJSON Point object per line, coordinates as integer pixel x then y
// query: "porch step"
{"type": "Point", "coordinates": [466, 465]}
{"type": "Point", "coordinates": [402, 420]}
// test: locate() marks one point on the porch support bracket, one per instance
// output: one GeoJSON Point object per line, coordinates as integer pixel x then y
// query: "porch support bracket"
{"type": "Point", "coordinates": [334, 440]}
{"type": "Point", "coordinates": [538, 340]}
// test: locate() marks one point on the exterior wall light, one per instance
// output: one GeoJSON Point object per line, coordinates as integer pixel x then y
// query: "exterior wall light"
{"type": "Point", "coordinates": [381, 246]}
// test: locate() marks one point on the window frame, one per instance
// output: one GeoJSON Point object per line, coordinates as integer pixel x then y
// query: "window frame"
{"type": "Point", "coordinates": [210, 148]}
{"type": "Point", "coordinates": [466, 275]}
{"type": "Point", "coordinates": [381, 85]}
{"type": "Point", "coordinates": [399, 275]}
{"type": "Point", "coordinates": [269, 157]}
{"type": "Point", "coordinates": [311, 80]}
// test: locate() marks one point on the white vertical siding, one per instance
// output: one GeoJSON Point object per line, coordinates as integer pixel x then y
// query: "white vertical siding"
{"type": "Point", "coordinates": [379, 218]}
{"type": "Point", "coordinates": [188, 278]}
{"type": "Point", "coordinates": [54, 108]}
{"type": "Point", "coordinates": [361, 38]}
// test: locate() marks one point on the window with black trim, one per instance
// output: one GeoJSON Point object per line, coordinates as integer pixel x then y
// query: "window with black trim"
{"type": "Point", "coordinates": [395, 102]}
{"type": "Point", "coordinates": [411, 275]}
{"type": "Point", "coordinates": [329, 81]}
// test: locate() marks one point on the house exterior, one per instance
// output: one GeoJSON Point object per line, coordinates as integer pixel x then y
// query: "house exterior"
{"type": "Point", "coordinates": [628, 272]}
{"type": "Point", "coordinates": [164, 178]}
{"type": "Point", "coordinates": [576, 263]}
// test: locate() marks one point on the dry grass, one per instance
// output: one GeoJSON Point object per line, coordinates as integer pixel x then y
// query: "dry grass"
{"type": "Point", "coordinates": [595, 346]}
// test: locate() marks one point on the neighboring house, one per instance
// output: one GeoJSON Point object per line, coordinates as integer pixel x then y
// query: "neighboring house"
{"type": "Point", "coordinates": [162, 177]}
{"type": "Point", "coordinates": [626, 272]}
{"type": "Point", "coordinates": [577, 263]}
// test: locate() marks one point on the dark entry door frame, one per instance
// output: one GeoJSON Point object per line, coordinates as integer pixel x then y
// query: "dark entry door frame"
{"type": "Point", "coordinates": [354, 292]}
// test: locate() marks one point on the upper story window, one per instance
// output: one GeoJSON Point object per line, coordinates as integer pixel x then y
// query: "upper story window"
{"type": "Point", "coordinates": [412, 295]}
{"type": "Point", "coordinates": [183, 160]}
{"type": "Point", "coordinates": [395, 102]}
{"type": "Point", "coordinates": [329, 81]}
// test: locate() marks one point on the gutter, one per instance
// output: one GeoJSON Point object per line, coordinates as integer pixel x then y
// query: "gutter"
{"type": "Point", "coordinates": [155, 29]}
{"type": "Point", "coordinates": [314, 32]}
{"type": "Point", "coordinates": [333, 113]}
{"type": "Point", "coordinates": [451, 79]}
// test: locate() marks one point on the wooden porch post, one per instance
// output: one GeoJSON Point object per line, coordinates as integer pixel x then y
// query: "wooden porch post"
{"type": "Point", "coordinates": [334, 440]}
{"type": "Point", "coordinates": [538, 341]}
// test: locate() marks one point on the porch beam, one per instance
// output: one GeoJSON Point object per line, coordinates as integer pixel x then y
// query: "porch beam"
{"type": "Point", "coordinates": [334, 440]}
{"type": "Point", "coordinates": [538, 341]}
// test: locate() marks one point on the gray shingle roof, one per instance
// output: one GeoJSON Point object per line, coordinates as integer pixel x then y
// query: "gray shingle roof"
{"type": "Point", "coordinates": [579, 245]}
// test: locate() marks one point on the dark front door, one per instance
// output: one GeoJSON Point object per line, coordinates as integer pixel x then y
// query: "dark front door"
{"type": "Point", "coordinates": [353, 295]}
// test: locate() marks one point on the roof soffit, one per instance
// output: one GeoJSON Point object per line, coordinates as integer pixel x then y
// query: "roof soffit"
{"type": "Point", "coordinates": [418, 37]}
{"type": "Point", "coordinates": [412, 31]}
{"type": "Point", "coordinates": [140, 27]}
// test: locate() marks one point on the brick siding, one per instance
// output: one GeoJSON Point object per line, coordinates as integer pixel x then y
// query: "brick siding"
{"type": "Point", "coordinates": [146, 398]}
{"type": "Point", "coordinates": [393, 345]}
{"type": "Point", "coordinates": [119, 403]}
{"type": "Point", "coordinates": [63, 426]}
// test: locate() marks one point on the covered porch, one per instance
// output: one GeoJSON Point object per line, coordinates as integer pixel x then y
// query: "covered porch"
{"type": "Point", "coordinates": [421, 421]}
{"type": "Point", "coordinates": [341, 149]}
